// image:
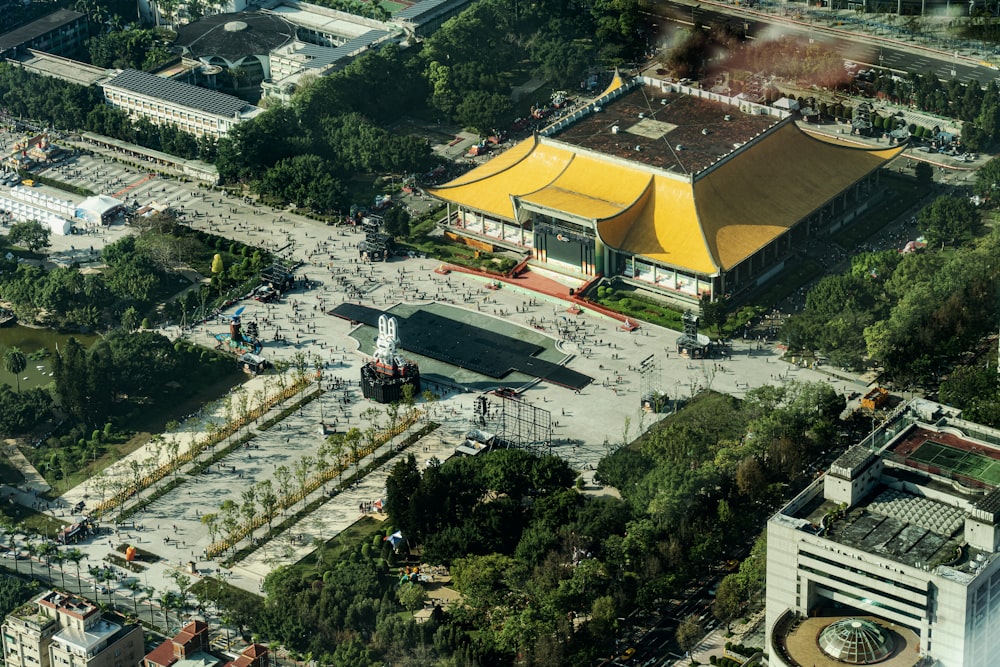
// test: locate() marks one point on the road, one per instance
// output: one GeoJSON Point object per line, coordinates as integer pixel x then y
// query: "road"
{"type": "Point", "coordinates": [862, 48]}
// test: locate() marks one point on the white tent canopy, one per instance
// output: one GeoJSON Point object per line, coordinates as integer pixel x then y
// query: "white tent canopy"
{"type": "Point", "coordinates": [94, 209]}
{"type": "Point", "coordinates": [22, 211]}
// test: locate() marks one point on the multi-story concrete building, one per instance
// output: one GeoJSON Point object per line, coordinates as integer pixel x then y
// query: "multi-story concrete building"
{"type": "Point", "coordinates": [190, 108]}
{"type": "Point", "coordinates": [60, 630]}
{"type": "Point", "coordinates": [892, 554]}
{"type": "Point", "coordinates": [61, 32]}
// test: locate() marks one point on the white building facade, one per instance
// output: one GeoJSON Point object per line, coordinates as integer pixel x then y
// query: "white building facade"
{"type": "Point", "coordinates": [898, 531]}
{"type": "Point", "coordinates": [190, 108]}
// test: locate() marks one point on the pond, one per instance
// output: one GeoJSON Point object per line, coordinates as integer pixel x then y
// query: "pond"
{"type": "Point", "coordinates": [39, 345]}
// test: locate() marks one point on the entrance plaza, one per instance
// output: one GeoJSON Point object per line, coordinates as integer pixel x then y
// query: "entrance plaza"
{"type": "Point", "coordinates": [801, 644]}
{"type": "Point", "coordinates": [587, 424]}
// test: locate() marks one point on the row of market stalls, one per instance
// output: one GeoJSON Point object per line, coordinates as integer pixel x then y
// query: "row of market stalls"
{"type": "Point", "coordinates": [23, 203]}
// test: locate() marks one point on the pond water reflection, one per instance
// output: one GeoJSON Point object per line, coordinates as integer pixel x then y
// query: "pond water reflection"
{"type": "Point", "coordinates": [39, 345]}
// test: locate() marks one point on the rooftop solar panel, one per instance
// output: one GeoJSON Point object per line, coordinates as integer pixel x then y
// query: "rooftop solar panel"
{"type": "Point", "coordinates": [177, 93]}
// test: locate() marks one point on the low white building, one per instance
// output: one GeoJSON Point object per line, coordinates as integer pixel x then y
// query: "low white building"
{"type": "Point", "coordinates": [190, 108]}
{"type": "Point", "coordinates": [903, 531]}
{"type": "Point", "coordinates": [24, 204]}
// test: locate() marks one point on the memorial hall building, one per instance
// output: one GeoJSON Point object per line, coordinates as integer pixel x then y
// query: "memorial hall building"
{"type": "Point", "coordinates": [677, 189]}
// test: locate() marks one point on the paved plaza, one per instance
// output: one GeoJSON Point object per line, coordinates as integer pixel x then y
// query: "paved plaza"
{"type": "Point", "coordinates": [588, 424]}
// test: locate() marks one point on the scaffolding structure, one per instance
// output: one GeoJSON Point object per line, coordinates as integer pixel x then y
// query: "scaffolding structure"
{"type": "Point", "coordinates": [651, 394]}
{"type": "Point", "coordinates": [515, 422]}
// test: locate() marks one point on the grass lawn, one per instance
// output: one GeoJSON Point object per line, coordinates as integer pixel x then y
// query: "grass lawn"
{"type": "Point", "coordinates": [8, 473]}
{"type": "Point", "coordinates": [629, 302]}
{"type": "Point", "coordinates": [146, 420]}
{"type": "Point", "coordinates": [30, 520]}
{"type": "Point", "coordinates": [362, 531]}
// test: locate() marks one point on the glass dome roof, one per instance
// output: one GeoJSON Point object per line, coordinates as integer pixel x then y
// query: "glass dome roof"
{"type": "Point", "coordinates": [856, 641]}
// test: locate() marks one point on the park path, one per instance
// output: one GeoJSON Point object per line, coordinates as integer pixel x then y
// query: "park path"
{"type": "Point", "coordinates": [33, 480]}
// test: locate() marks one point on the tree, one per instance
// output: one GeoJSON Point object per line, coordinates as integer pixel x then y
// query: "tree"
{"type": "Point", "coordinates": [15, 362]}
{"type": "Point", "coordinates": [948, 220]}
{"type": "Point", "coordinates": [74, 556]}
{"type": "Point", "coordinates": [352, 441]}
{"type": "Point", "coordinates": [268, 500]}
{"type": "Point", "coordinates": [130, 319]}
{"type": "Point", "coordinates": [689, 633]}
{"type": "Point", "coordinates": [729, 599]}
{"type": "Point", "coordinates": [713, 311]}
{"type": "Point", "coordinates": [31, 234]}
{"type": "Point", "coordinates": [211, 522]}
{"type": "Point", "coordinates": [412, 596]}
{"type": "Point", "coordinates": [397, 222]}
{"type": "Point", "coordinates": [217, 266]}
{"type": "Point", "coordinates": [400, 487]}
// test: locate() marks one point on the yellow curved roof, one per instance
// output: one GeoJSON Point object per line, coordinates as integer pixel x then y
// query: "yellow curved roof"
{"type": "Point", "coordinates": [756, 196]}
{"type": "Point", "coordinates": [504, 160]}
{"type": "Point", "coordinates": [665, 229]}
{"type": "Point", "coordinates": [617, 81]}
{"type": "Point", "coordinates": [716, 223]}
{"type": "Point", "coordinates": [489, 189]}
{"type": "Point", "coordinates": [592, 188]}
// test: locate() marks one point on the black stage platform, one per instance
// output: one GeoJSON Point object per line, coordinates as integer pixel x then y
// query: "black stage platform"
{"type": "Point", "coordinates": [466, 346]}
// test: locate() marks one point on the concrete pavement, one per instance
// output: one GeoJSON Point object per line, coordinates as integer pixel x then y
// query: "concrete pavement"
{"type": "Point", "coordinates": [587, 425]}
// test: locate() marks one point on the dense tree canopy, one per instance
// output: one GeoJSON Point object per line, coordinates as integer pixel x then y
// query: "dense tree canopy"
{"type": "Point", "coordinates": [133, 48]}
{"type": "Point", "coordinates": [30, 234]}
{"type": "Point", "coordinates": [948, 220]}
{"type": "Point", "coordinates": [907, 313]}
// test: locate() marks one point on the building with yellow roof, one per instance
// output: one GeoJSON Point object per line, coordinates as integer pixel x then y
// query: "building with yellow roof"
{"type": "Point", "coordinates": [689, 192]}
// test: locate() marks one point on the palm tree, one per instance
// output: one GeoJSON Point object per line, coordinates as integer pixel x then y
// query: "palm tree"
{"type": "Point", "coordinates": [75, 555]}
{"type": "Point", "coordinates": [32, 549]}
{"type": "Point", "coordinates": [15, 362]}
{"type": "Point", "coordinates": [60, 559]}
{"type": "Point", "coordinates": [46, 549]}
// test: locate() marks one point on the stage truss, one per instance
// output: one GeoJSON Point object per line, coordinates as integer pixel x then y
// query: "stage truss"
{"type": "Point", "coordinates": [515, 422]}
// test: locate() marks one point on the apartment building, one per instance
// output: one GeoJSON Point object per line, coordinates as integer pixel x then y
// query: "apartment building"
{"type": "Point", "coordinates": [62, 630]}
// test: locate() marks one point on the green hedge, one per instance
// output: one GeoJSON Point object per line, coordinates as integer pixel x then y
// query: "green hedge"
{"type": "Point", "coordinates": [639, 307]}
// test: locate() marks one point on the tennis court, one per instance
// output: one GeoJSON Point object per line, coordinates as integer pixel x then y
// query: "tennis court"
{"type": "Point", "coordinates": [969, 464]}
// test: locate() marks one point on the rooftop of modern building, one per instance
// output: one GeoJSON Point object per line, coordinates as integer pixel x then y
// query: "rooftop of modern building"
{"type": "Point", "coordinates": [179, 94]}
{"type": "Point", "coordinates": [67, 604]}
{"type": "Point", "coordinates": [38, 27]}
{"type": "Point", "coordinates": [947, 452]}
{"type": "Point", "coordinates": [61, 68]}
{"type": "Point", "coordinates": [915, 513]}
{"type": "Point", "coordinates": [325, 20]}
{"type": "Point", "coordinates": [30, 613]}
{"type": "Point", "coordinates": [199, 659]}
{"type": "Point", "coordinates": [668, 130]}
{"type": "Point", "coordinates": [93, 637]}
{"type": "Point", "coordinates": [234, 36]}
